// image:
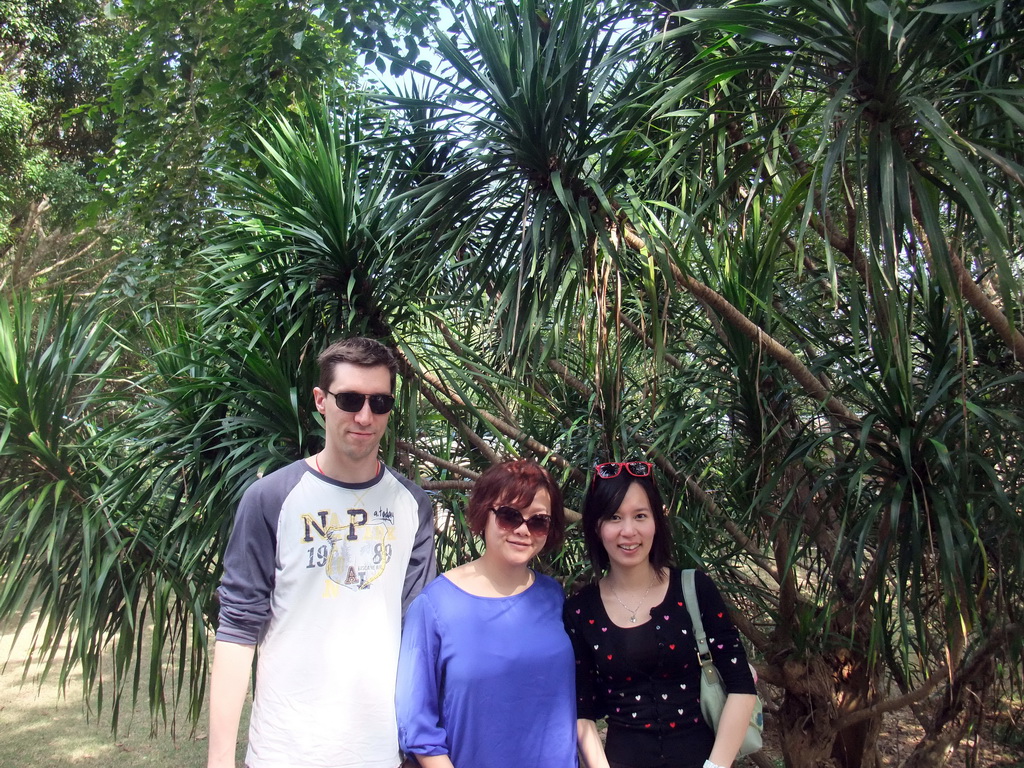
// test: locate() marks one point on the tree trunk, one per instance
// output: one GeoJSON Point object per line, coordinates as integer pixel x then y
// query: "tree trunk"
{"type": "Point", "coordinates": [854, 746]}
{"type": "Point", "coordinates": [820, 693]}
{"type": "Point", "coordinates": [807, 714]}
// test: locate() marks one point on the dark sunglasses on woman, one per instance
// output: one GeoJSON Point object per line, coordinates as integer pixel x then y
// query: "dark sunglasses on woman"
{"type": "Point", "coordinates": [510, 518]}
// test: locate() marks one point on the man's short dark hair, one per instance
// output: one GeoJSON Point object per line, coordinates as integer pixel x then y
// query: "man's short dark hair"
{"type": "Point", "coordinates": [358, 350]}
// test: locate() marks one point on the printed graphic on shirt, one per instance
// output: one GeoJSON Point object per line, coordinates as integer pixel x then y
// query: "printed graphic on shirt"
{"type": "Point", "coordinates": [356, 548]}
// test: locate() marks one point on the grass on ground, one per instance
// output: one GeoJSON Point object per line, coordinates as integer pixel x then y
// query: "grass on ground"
{"type": "Point", "coordinates": [44, 727]}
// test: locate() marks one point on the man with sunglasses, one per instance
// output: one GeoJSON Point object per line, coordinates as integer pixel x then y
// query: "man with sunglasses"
{"type": "Point", "coordinates": [325, 555]}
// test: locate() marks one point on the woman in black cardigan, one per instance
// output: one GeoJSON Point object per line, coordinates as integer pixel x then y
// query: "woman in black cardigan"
{"type": "Point", "coordinates": [636, 656]}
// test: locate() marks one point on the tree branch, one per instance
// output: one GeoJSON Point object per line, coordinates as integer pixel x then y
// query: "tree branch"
{"type": "Point", "coordinates": [807, 380]}
{"type": "Point", "coordinates": [423, 455]}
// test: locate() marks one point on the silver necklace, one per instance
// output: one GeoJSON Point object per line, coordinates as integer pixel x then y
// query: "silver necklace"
{"type": "Point", "coordinates": [631, 611]}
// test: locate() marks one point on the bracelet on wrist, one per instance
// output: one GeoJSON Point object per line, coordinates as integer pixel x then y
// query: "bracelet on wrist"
{"type": "Point", "coordinates": [709, 764]}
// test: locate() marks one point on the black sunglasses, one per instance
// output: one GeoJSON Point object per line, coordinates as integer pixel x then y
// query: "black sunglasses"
{"type": "Point", "coordinates": [352, 402]}
{"type": "Point", "coordinates": [611, 469]}
{"type": "Point", "coordinates": [510, 518]}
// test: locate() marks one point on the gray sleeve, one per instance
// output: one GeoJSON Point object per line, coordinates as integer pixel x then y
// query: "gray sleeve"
{"type": "Point", "coordinates": [249, 560]}
{"type": "Point", "coordinates": [422, 563]}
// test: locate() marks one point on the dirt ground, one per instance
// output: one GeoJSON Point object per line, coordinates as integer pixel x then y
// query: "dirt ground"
{"type": "Point", "coordinates": [901, 732]}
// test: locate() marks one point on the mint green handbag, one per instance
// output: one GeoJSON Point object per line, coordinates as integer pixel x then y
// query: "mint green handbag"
{"type": "Point", "coordinates": [712, 692]}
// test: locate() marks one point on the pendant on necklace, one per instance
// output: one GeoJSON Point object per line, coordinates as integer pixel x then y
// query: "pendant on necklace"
{"type": "Point", "coordinates": [631, 611]}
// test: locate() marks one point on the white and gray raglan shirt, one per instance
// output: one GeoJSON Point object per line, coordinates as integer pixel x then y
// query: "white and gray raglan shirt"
{"type": "Point", "coordinates": [318, 574]}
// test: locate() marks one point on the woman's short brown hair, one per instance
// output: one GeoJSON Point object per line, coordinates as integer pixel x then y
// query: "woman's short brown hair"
{"type": "Point", "coordinates": [516, 483]}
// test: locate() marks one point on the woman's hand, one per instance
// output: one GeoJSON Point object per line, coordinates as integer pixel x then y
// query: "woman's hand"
{"type": "Point", "coordinates": [732, 727]}
{"type": "Point", "coordinates": [590, 746]}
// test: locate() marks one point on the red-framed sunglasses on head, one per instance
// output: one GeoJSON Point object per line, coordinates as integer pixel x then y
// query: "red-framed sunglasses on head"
{"type": "Point", "coordinates": [611, 469]}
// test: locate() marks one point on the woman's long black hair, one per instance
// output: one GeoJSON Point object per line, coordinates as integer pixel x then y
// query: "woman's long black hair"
{"type": "Point", "coordinates": [604, 499]}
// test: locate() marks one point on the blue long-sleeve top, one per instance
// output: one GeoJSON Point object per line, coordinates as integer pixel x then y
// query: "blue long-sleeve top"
{"type": "Point", "coordinates": [489, 681]}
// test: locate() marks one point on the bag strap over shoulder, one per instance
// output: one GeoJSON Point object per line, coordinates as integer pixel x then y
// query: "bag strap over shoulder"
{"type": "Point", "coordinates": [690, 597]}
{"type": "Point", "coordinates": [692, 606]}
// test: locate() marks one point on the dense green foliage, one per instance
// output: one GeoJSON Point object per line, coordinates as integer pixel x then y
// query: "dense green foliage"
{"type": "Point", "coordinates": [775, 247]}
{"type": "Point", "coordinates": [132, 108]}
{"type": "Point", "coordinates": [55, 58]}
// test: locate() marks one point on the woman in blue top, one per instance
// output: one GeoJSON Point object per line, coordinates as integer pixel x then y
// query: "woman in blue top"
{"type": "Point", "coordinates": [486, 672]}
{"type": "Point", "coordinates": [635, 651]}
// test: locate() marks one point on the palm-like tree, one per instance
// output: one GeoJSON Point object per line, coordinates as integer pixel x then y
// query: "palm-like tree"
{"type": "Point", "coordinates": [871, 139]}
{"type": "Point", "coordinates": [773, 246]}
{"type": "Point", "coordinates": [749, 245]}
